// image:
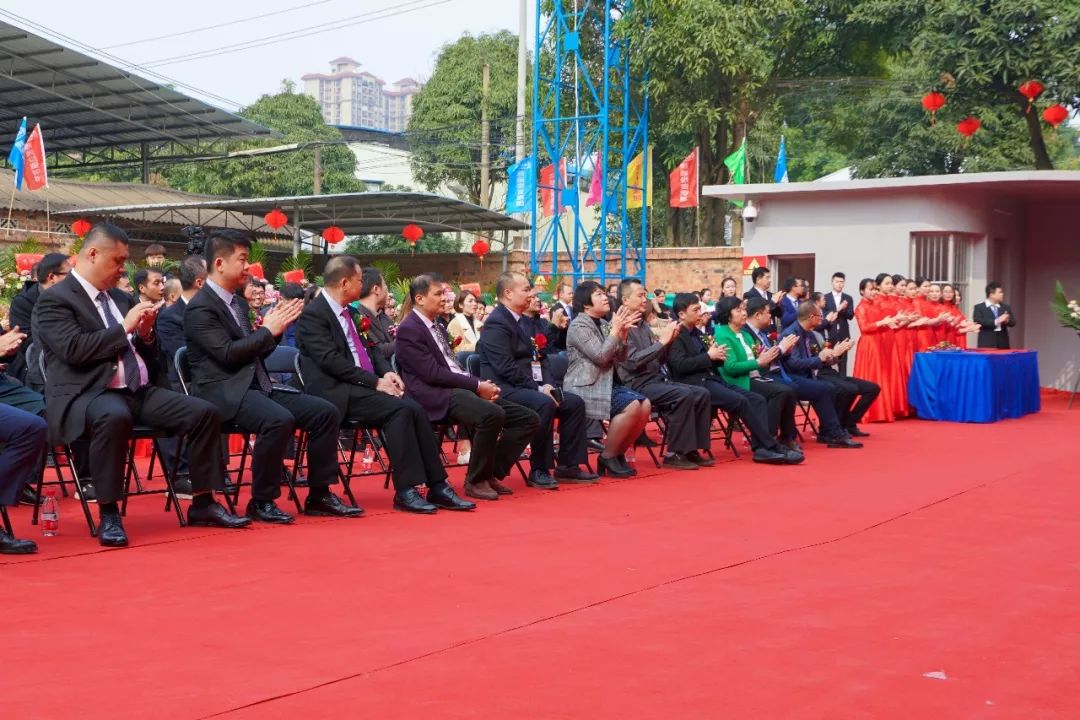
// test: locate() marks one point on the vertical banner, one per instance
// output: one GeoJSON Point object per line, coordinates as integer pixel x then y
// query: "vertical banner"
{"type": "Point", "coordinates": [684, 182]}
{"type": "Point", "coordinates": [35, 173]}
{"type": "Point", "coordinates": [635, 181]}
{"type": "Point", "coordinates": [596, 187]}
{"type": "Point", "coordinates": [547, 188]}
{"type": "Point", "coordinates": [521, 185]}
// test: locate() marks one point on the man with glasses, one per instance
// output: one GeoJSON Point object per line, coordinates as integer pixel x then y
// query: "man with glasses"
{"type": "Point", "coordinates": [803, 364]}
{"type": "Point", "coordinates": [50, 270]}
{"type": "Point", "coordinates": [794, 294]}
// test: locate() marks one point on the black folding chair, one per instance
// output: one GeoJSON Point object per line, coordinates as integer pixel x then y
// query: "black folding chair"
{"type": "Point", "coordinates": [727, 425]}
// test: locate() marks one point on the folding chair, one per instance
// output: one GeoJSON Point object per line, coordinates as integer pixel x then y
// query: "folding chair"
{"type": "Point", "coordinates": [472, 365]}
{"type": "Point", "coordinates": [808, 422]}
{"type": "Point", "coordinates": [232, 489]}
{"type": "Point", "coordinates": [728, 424]}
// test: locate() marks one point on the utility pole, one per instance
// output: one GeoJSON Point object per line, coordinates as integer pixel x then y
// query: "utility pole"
{"type": "Point", "coordinates": [519, 126]}
{"type": "Point", "coordinates": [485, 141]}
{"type": "Point", "coordinates": [317, 179]}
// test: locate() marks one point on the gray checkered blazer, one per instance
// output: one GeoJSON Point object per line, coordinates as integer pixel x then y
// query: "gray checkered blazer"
{"type": "Point", "coordinates": [593, 353]}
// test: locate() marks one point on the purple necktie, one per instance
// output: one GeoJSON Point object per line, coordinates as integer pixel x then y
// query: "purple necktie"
{"type": "Point", "coordinates": [361, 351]}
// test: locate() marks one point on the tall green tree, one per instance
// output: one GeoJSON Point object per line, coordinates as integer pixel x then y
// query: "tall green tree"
{"type": "Point", "coordinates": [298, 119]}
{"type": "Point", "coordinates": [444, 129]}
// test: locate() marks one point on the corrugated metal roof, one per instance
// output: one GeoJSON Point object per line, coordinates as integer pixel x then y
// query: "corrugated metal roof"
{"type": "Point", "coordinates": [84, 103]}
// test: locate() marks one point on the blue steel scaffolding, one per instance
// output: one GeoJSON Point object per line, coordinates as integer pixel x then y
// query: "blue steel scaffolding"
{"type": "Point", "coordinates": [587, 106]}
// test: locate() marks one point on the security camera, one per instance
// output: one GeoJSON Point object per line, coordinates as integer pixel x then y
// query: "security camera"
{"type": "Point", "coordinates": [749, 213]}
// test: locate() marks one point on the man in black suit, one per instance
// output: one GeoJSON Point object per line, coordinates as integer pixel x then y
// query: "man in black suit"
{"type": "Point", "coordinates": [994, 318]}
{"type": "Point", "coordinates": [839, 312]}
{"type": "Point", "coordinates": [434, 379]}
{"type": "Point", "coordinates": [170, 331]}
{"type": "Point", "coordinates": [561, 313]}
{"type": "Point", "coordinates": [373, 297]}
{"type": "Point", "coordinates": [50, 270]}
{"type": "Point", "coordinates": [102, 359]}
{"type": "Point", "coordinates": [693, 359]}
{"type": "Point", "coordinates": [510, 356]}
{"type": "Point", "coordinates": [761, 278]}
{"type": "Point", "coordinates": [226, 357]}
{"type": "Point", "coordinates": [340, 363]}
{"type": "Point", "coordinates": [854, 396]}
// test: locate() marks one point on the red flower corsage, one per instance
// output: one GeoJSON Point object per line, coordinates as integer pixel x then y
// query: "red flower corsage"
{"type": "Point", "coordinates": [772, 336]}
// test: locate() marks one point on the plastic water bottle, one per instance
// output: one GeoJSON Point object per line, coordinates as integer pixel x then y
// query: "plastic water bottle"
{"type": "Point", "coordinates": [631, 457]}
{"type": "Point", "coordinates": [50, 514]}
{"type": "Point", "coordinates": [367, 460]}
{"type": "Point", "coordinates": [464, 452]}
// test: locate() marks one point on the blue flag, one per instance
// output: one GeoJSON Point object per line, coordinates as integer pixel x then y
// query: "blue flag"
{"type": "Point", "coordinates": [780, 175]}
{"type": "Point", "coordinates": [521, 185]}
{"type": "Point", "coordinates": [15, 157]}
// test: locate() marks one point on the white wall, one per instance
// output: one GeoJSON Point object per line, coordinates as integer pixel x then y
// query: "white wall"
{"type": "Point", "coordinates": [1052, 253]}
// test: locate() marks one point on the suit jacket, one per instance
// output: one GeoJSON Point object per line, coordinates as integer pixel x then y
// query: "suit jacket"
{"type": "Point", "coordinates": [739, 364]}
{"type": "Point", "coordinates": [688, 359]}
{"type": "Point", "coordinates": [802, 360]}
{"type": "Point", "coordinates": [459, 327]}
{"type": "Point", "coordinates": [21, 315]}
{"type": "Point", "coordinates": [222, 358]}
{"type": "Point", "coordinates": [325, 360]}
{"type": "Point", "coordinates": [789, 311]}
{"type": "Point", "coordinates": [506, 352]}
{"type": "Point", "coordinates": [593, 352]}
{"type": "Point", "coordinates": [428, 379]}
{"type": "Point", "coordinates": [840, 329]}
{"type": "Point", "coordinates": [170, 333]}
{"type": "Point", "coordinates": [379, 334]}
{"type": "Point", "coordinates": [774, 309]}
{"type": "Point", "coordinates": [988, 337]}
{"type": "Point", "coordinates": [81, 353]}
{"type": "Point", "coordinates": [644, 363]}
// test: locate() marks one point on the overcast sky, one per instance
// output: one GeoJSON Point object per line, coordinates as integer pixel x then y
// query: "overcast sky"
{"type": "Point", "coordinates": [391, 46]}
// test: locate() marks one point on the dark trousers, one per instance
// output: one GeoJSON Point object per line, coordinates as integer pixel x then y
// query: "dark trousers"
{"type": "Point", "coordinates": [112, 414]}
{"type": "Point", "coordinates": [850, 410]}
{"type": "Point", "coordinates": [501, 430]}
{"type": "Point", "coordinates": [687, 410]}
{"type": "Point", "coordinates": [168, 447]}
{"type": "Point", "coordinates": [748, 406]}
{"type": "Point", "coordinates": [821, 396]}
{"type": "Point", "coordinates": [841, 366]}
{"type": "Point", "coordinates": [16, 395]}
{"type": "Point", "coordinates": [571, 415]}
{"type": "Point", "coordinates": [24, 438]}
{"type": "Point", "coordinates": [780, 400]}
{"type": "Point", "coordinates": [273, 418]}
{"type": "Point", "coordinates": [407, 435]}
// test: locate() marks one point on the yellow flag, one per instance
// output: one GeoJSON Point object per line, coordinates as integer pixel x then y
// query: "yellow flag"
{"type": "Point", "coordinates": [634, 172]}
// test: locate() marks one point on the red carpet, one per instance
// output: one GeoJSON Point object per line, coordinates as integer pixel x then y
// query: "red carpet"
{"type": "Point", "coordinates": [830, 590]}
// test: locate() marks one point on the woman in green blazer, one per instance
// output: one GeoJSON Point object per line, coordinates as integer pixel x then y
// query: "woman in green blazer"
{"type": "Point", "coordinates": [739, 364]}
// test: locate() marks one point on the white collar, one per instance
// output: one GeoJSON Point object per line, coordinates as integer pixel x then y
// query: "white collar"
{"type": "Point", "coordinates": [92, 291]}
{"type": "Point", "coordinates": [221, 292]}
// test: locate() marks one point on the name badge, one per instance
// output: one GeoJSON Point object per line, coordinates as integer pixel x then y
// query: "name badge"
{"type": "Point", "coordinates": [537, 372]}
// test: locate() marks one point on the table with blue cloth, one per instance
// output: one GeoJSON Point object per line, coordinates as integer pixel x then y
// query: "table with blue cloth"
{"type": "Point", "coordinates": [974, 386]}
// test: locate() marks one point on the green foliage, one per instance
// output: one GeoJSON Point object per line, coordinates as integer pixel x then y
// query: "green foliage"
{"type": "Point", "coordinates": [298, 118]}
{"type": "Point", "coordinates": [391, 244]}
{"type": "Point", "coordinates": [389, 269]}
{"type": "Point", "coordinates": [444, 129]}
{"type": "Point", "coordinates": [11, 283]}
{"type": "Point", "coordinates": [1066, 311]}
{"type": "Point", "coordinates": [257, 254]}
{"type": "Point", "coordinates": [300, 261]}
{"type": "Point", "coordinates": [399, 288]}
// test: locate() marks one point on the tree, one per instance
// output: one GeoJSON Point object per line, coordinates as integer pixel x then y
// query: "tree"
{"type": "Point", "coordinates": [979, 53]}
{"type": "Point", "coordinates": [298, 118]}
{"type": "Point", "coordinates": [444, 129]}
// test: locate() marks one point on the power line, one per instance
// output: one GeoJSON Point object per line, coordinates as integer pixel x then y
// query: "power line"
{"type": "Point", "coordinates": [361, 19]}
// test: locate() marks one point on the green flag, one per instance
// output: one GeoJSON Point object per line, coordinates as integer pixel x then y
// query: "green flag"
{"type": "Point", "coordinates": [736, 165]}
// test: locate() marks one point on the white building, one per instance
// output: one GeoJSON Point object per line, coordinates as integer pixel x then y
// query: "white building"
{"type": "Point", "coordinates": [1021, 229]}
{"type": "Point", "coordinates": [350, 97]}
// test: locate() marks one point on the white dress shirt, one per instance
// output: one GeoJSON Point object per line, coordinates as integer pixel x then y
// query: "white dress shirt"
{"type": "Point", "coordinates": [450, 361]}
{"type": "Point", "coordinates": [117, 380]}
{"type": "Point", "coordinates": [344, 323]}
{"type": "Point", "coordinates": [996, 310]}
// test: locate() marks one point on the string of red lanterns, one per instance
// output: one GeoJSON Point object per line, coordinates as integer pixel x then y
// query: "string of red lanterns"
{"type": "Point", "coordinates": [1053, 115]}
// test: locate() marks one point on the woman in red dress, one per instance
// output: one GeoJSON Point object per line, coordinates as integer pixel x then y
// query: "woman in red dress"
{"type": "Point", "coordinates": [874, 357]}
{"type": "Point", "coordinates": [959, 326]}
{"type": "Point", "coordinates": [903, 355]}
{"type": "Point", "coordinates": [940, 318]}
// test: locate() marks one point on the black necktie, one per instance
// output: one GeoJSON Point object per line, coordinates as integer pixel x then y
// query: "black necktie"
{"type": "Point", "coordinates": [132, 377]}
{"type": "Point", "coordinates": [260, 372]}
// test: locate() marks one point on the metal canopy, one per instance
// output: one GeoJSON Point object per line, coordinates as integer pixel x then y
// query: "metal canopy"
{"type": "Point", "coordinates": [83, 103]}
{"type": "Point", "coordinates": [367, 213]}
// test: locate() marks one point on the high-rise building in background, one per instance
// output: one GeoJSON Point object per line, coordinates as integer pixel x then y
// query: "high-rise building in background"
{"type": "Point", "coordinates": [349, 97]}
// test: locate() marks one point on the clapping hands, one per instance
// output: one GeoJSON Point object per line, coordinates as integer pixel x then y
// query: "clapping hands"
{"type": "Point", "coordinates": [282, 316]}
{"type": "Point", "coordinates": [624, 319]}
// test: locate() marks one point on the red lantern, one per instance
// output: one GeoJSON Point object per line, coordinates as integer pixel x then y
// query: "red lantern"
{"type": "Point", "coordinates": [256, 270]}
{"type": "Point", "coordinates": [81, 226]}
{"type": "Point", "coordinates": [1031, 90]}
{"type": "Point", "coordinates": [293, 276]}
{"type": "Point", "coordinates": [480, 248]}
{"type": "Point", "coordinates": [968, 126]}
{"type": "Point", "coordinates": [276, 219]}
{"type": "Point", "coordinates": [25, 262]}
{"type": "Point", "coordinates": [932, 102]}
{"type": "Point", "coordinates": [1055, 114]}
{"type": "Point", "coordinates": [333, 234]}
{"type": "Point", "coordinates": [412, 233]}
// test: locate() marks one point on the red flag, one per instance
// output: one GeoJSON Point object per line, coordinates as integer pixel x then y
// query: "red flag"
{"type": "Point", "coordinates": [684, 182]}
{"type": "Point", "coordinates": [35, 174]}
{"type": "Point", "coordinates": [547, 188]}
{"type": "Point", "coordinates": [596, 188]}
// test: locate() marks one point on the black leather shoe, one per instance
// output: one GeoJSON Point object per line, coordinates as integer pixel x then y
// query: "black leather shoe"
{"type": "Point", "coordinates": [674, 460]}
{"type": "Point", "coordinates": [443, 496]}
{"type": "Point", "coordinates": [111, 531]}
{"type": "Point", "coordinates": [854, 431]}
{"type": "Point", "coordinates": [613, 468]}
{"type": "Point", "coordinates": [215, 515]}
{"type": "Point", "coordinates": [839, 442]}
{"type": "Point", "coordinates": [540, 479]}
{"type": "Point", "coordinates": [770, 457]}
{"type": "Point", "coordinates": [575, 475]}
{"type": "Point", "coordinates": [10, 545]}
{"type": "Point", "coordinates": [266, 511]}
{"type": "Point", "coordinates": [594, 444]}
{"type": "Point", "coordinates": [331, 506]}
{"type": "Point", "coordinates": [699, 459]}
{"type": "Point", "coordinates": [412, 501]}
